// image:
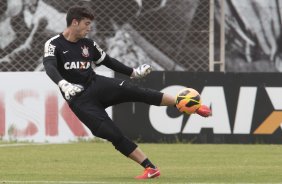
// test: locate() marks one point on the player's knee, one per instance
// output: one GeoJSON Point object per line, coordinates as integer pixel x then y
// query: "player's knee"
{"type": "Point", "coordinates": [125, 146]}
{"type": "Point", "coordinates": [107, 130]}
{"type": "Point", "coordinates": [110, 132]}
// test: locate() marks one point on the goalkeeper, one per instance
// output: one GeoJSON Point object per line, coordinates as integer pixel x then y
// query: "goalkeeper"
{"type": "Point", "coordinates": [68, 59]}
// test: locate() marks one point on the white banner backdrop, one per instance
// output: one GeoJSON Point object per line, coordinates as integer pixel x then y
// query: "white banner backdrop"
{"type": "Point", "coordinates": [32, 109]}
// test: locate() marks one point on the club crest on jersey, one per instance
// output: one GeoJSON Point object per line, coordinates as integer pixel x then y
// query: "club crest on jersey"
{"type": "Point", "coordinates": [85, 52]}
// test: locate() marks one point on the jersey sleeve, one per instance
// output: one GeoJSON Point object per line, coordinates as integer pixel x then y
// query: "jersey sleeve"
{"type": "Point", "coordinates": [117, 66]}
{"type": "Point", "coordinates": [49, 49]}
{"type": "Point", "coordinates": [99, 54]}
{"type": "Point", "coordinates": [50, 62]}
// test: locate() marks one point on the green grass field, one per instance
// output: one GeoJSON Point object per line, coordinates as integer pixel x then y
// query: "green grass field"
{"type": "Point", "coordinates": [98, 162]}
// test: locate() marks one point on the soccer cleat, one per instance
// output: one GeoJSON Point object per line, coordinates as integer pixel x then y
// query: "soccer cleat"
{"type": "Point", "coordinates": [149, 173]}
{"type": "Point", "coordinates": [204, 111]}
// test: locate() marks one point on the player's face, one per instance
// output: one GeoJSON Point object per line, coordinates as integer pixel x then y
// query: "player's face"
{"type": "Point", "coordinates": [83, 27]}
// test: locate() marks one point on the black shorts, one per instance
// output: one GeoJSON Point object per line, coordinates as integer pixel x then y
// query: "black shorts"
{"type": "Point", "coordinates": [103, 92]}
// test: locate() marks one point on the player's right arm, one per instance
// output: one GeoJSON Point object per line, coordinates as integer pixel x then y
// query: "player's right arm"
{"type": "Point", "coordinates": [51, 68]}
{"type": "Point", "coordinates": [50, 61]}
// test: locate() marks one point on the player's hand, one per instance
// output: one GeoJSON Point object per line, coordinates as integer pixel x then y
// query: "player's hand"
{"type": "Point", "coordinates": [141, 71]}
{"type": "Point", "coordinates": [70, 89]}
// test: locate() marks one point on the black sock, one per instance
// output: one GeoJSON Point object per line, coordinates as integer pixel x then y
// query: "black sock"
{"type": "Point", "coordinates": [147, 163]}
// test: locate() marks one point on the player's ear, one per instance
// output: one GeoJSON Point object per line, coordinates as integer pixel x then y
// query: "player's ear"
{"type": "Point", "coordinates": [74, 22]}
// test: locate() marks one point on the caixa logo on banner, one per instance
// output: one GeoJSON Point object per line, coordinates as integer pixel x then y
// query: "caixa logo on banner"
{"type": "Point", "coordinates": [219, 122]}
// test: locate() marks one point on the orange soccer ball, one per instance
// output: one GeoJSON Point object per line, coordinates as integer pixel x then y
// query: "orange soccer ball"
{"type": "Point", "coordinates": [188, 101]}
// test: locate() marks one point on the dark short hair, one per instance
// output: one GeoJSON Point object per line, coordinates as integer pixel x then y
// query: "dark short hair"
{"type": "Point", "coordinates": [78, 13]}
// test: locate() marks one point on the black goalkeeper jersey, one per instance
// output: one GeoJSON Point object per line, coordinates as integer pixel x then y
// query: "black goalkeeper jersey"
{"type": "Point", "coordinates": [74, 59]}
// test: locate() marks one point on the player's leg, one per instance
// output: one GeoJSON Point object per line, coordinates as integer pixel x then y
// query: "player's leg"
{"type": "Point", "coordinates": [151, 171]}
{"type": "Point", "coordinates": [97, 120]}
{"type": "Point", "coordinates": [109, 131]}
{"type": "Point", "coordinates": [168, 100]}
{"type": "Point", "coordinates": [115, 91]}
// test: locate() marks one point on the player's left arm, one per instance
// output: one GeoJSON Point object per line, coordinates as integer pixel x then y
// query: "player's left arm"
{"type": "Point", "coordinates": [117, 66]}
{"type": "Point", "coordinates": [135, 73]}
